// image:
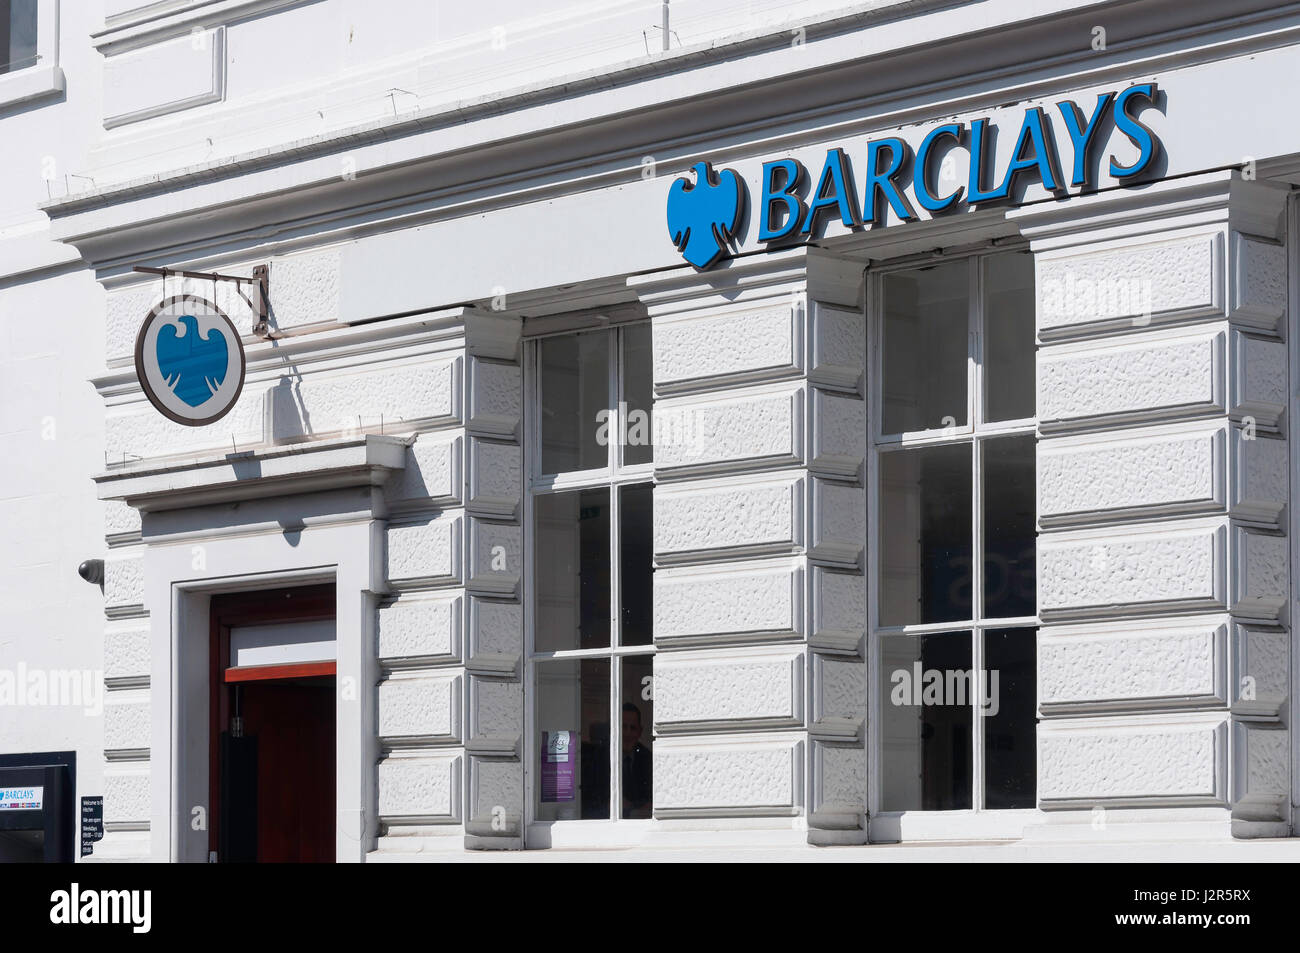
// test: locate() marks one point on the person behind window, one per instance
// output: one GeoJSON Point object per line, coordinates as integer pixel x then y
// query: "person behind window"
{"type": "Point", "coordinates": [636, 765]}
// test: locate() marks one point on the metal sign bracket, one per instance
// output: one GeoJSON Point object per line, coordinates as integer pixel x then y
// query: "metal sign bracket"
{"type": "Point", "coordinates": [261, 279]}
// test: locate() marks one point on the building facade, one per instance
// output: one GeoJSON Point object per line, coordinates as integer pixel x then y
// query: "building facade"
{"type": "Point", "coordinates": [879, 411]}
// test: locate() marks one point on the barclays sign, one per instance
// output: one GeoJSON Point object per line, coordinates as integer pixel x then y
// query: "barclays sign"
{"type": "Point", "coordinates": [705, 216]}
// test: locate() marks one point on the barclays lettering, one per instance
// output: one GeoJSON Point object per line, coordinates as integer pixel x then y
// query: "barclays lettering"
{"type": "Point", "coordinates": [704, 217]}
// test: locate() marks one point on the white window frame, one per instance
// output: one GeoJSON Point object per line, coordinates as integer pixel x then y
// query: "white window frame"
{"type": "Point", "coordinates": [43, 78]}
{"type": "Point", "coordinates": [977, 821]}
{"type": "Point", "coordinates": [612, 831]}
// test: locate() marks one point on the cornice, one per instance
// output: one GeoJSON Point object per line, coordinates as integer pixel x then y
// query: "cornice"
{"type": "Point", "coordinates": [492, 163]}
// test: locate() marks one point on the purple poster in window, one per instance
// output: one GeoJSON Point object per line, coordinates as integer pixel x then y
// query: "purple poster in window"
{"type": "Point", "coordinates": [559, 764]}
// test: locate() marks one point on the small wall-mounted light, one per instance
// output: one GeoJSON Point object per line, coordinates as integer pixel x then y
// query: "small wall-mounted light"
{"type": "Point", "coordinates": [92, 570]}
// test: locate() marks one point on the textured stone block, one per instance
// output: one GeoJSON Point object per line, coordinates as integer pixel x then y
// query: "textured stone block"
{"type": "Point", "coordinates": [496, 635]}
{"type": "Point", "coordinates": [425, 553]}
{"type": "Point", "coordinates": [1259, 277]}
{"type": "Point", "coordinates": [1147, 377]}
{"type": "Point", "coordinates": [1131, 667]}
{"type": "Point", "coordinates": [496, 715]}
{"type": "Point", "coordinates": [747, 775]}
{"type": "Point", "coordinates": [306, 287]}
{"type": "Point", "coordinates": [432, 475]}
{"type": "Point", "coordinates": [1261, 776]}
{"type": "Point", "coordinates": [419, 630]}
{"type": "Point", "coordinates": [748, 602]}
{"type": "Point", "coordinates": [495, 478]}
{"type": "Point", "coordinates": [1262, 672]}
{"type": "Point", "coordinates": [423, 789]}
{"type": "Point", "coordinates": [701, 350]}
{"type": "Point", "coordinates": [126, 721]}
{"type": "Point", "coordinates": [403, 397]}
{"type": "Point", "coordinates": [1150, 472]}
{"type": "Point", "coordinates": [839, 690]}
{"type": "Point", "coordinates": [706, 519]}
{"type": "Point", "coordinates": [126, 796]}
{"type": "Point", "coordinates": [1137, 764]}
{"type": "Point", "coordinates": [839, 610]}
{"type": "Point", "coordinates": [124, 585]}
{"type": "Point", "coordinates": [839, 523]}
{"type": "Point", "coordinates": [496, 791]}
{"type": "Point", "coordinates": [496, 557]}
{"type": "Point", "coordinates": [1261, 573]}
{"type": "Point", "coordinates": [495, 398]}
{"type": "Point", "coordinates": [839, 435]}
{"type": "Point", "coordinates": [757, 688]}
{"type": "Point", "coordinates": [1260, 478]}
{"type": "Point", "coordinates": [1104, 575]}
{"type": "Point", "coordinates": [419, 709]}
{"type": "Point", "coordinates": [839, 779]}
{"type": "Point", "coordinates": [126, 654]}
{"type": "Point", "coordinates": [839, 345]}
{"type": "Point", "coordinates": [1259, 379]}
{"type": "Point", "coordinates": [1128, 285]}
{"type": "Point", "coordinates": [121, 522]}
{"type": "Point", "coordinates": [138, 431]}
{"type": "Point", "coordinates": [734, 430]}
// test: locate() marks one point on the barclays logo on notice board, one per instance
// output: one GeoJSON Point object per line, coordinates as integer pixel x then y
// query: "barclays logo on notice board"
{"type": "Point", "coordinates": [706, 211]}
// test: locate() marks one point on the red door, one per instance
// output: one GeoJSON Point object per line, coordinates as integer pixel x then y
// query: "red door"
{"type": "Point", "coordinates": [293, 722]}
{"type": "Point", "coordinates": [272, 764]}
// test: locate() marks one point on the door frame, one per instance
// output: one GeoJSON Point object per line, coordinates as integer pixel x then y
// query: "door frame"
{"type": "Point", "coordinates": [179, 586]}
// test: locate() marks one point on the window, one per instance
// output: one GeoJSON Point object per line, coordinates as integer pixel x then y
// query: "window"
{"type": "Point", "coordinates": [17, 35]}
{"type": "Point", "coordinates": [954, 626]}
{"type": "Point", "coordinates": [591, 648]}
{"type": "Point", "coordinates": [29, 51]}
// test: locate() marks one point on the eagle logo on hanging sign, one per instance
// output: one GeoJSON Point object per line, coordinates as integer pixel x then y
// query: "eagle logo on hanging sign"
{"type": "Point", "coordinates": [190, 360]}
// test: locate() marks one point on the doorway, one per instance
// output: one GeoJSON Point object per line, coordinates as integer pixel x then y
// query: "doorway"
{"type": "Point", "coordinates": [272, 719]}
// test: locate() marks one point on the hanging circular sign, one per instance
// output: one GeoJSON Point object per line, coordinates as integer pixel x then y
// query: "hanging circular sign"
{"type": "Point", "coordinates": [190, 360]}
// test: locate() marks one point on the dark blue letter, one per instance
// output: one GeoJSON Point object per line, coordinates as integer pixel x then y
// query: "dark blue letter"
{"type": "Point", "coordinates": [1146, 141]}
{"type": "Point", "coordinates": [1081, 139]}
{"type": "Point", "coordinates": [794, 171]}
{"type": "Point", "coordinates": [882, 181]}
{"type": "Point", "coordinates": [836, 174]}
{"type": "Point", "coordinates": [920, 181]}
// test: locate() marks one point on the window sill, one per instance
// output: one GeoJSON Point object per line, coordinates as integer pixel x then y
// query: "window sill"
{"type": "Point", "coordinates": [29, 85]}
{"type": "Point", "coordinates": [913, 826]}
{"type": "Point", "coordinates": [587, 834]}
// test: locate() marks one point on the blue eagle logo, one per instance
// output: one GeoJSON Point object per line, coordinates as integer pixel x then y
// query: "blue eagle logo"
{"type": "Point", "coordinates": [702, 218]}
{"type": "Point", "coordinates": [193, 364]}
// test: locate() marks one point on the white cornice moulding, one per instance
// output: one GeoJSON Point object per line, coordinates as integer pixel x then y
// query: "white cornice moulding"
{"type": "Point", "coordinates": [224, 477]}
{"type": "Point", "coordinates": [656, 83]}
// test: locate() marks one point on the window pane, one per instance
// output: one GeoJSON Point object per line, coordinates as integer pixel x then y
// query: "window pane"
{"type": "Point", "coordinates": [925, 535]}
{"type": "Point", "coordinates": [575, 389]}
{"type": "Point", "coordinates": [1009, 535]}
{"type": "Point", "coordinates": [573, 739]}
{"type": "Point", "coordinates": [637, 712]}
{"type": "Point", "coordinates": [572, 570]}
{"type": "Point", "coordinates": [926, 722]}
{"type": "Point", "coordinates": [636, 553]}
{"type": "Point", "coordinates": [1009, 336]}
{"type": "Point", "coordinates": [637, 376]}
{"type": "Point", "coordinates": [1010, 765]}
{"type": "Point", "coordinates": [925, 350]}
{"type": "Point", "coordinates": [17, 35]}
